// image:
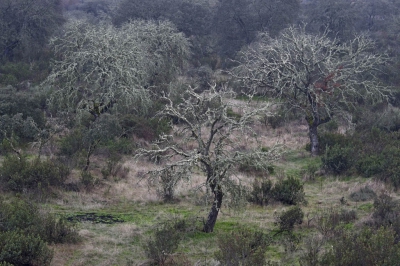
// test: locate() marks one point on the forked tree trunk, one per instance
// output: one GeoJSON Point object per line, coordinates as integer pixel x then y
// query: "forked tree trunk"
{"type": "Point", "coordinates": [213, 214]}
{"type": "Point", "coordinates": [313, 133]}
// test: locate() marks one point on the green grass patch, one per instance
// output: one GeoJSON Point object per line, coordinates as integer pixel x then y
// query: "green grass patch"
{"type": "Point", "coordinates": [367, 207]}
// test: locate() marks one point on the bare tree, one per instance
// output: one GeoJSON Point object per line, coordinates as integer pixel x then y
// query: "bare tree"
{"type": "Point", "coordinates": [315, 75]}
{"type": "Point", "coordinates": [214, 137]}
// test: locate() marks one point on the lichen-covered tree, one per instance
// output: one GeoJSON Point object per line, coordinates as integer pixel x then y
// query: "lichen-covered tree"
{"type": "Point", "coordinates": [211, 139]}
{"type": "Point", "coordinates": [314, 75]}
{"type": "Point", "coordinates": [100, 66]}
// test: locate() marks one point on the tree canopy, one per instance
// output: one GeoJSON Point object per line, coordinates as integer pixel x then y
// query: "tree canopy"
{"type": "Point", "coordinates": [100, 66]}
{"type": "Point", "coordinates": [26, 25]}
{"type": "Point", "coordinates": [315, 75]}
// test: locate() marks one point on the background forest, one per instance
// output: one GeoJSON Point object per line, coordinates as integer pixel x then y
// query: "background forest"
{"type": "Point", "coordinates": [199, 132]}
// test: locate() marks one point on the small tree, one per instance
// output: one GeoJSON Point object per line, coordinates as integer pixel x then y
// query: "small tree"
{"type": "Point", "coordinates": [314, 75]}
{"type": "Point", "coordinates": [215, 138]}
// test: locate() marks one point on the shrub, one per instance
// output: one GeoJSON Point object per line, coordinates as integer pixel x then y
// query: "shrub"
{"type": "Point", "coordinates": [337, 159]}
{"type": "Point", "coordinates": [18, 174]}
{"type": "Point", "coordinates": [367, 248]}
{"type": "Point", "coordinates": [313, 246]}
{"type": "Point", "coordinates": [329, 220]}
{"type": "Point", "coordinates": [287, 219]}
{"type": "Point", "coordinates": [25, 230]}
{"type": "Point", "coordinates": [165, 241]}
{"type": "Point", "coordinates": [262, 192]}
{"type": "Point", "coordinates": [18, 248]}
{"type": "Point", "coordinates": [289, 191]}
{"type": "Point", "coordinates": [385, 208]}
{"type": "Point", "coordinates": [88, 180]}
{"type": "Point", "coordinates": [19, 214]}
{"type": "Point", "coordinates": [242, 247]}
{"type": "Point", "coordinates": [363, 194]}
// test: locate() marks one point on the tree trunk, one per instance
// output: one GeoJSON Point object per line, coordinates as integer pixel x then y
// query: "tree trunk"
{"type": "Point", "coordinates": [213, 214]}
{"type": "Point", "coordinates": [313, 133]}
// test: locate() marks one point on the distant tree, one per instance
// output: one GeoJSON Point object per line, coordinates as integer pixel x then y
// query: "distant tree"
{"type": "Point", "coordinates": [26, 25]}
{"type": "Point", "coordinates": [210, 140]}
{"type": "Point", "coordinates": [313, 75]}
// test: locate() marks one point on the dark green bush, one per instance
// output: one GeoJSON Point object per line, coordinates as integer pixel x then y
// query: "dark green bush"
{"type": "Point", "coordinates": [289, 191]}
{"type": "Point", "coordinates": [18, 248]}
{"type": "Point", "coordinates": [242, 247]}
{"type": "Point", "coordinates": [18, 174]}
{"type": "Point", "coordinates": [21, 113]}
{"type": "Point", "coordinates": [165, 241]}
{"type": "Point", "coordinates": [363, 194]}
{"type": "Point", "coordinates": [366, 248]}
{"type": "Point", "coordinates": [370, 165]}
{"type": "Point", "coordinates": [337, 159]}
{"type": "Point", "coordinates": [18, 214]}
{"type": "Point", "coordinates": [25, 230]}
{"type": "Point", "coordinates": [262, 192]}
{"type": "Point", "coordinates": [287, 219]}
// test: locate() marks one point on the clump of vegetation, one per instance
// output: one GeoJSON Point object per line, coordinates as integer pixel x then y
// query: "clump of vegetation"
{"type": "Point", "coordinates": [19, 174]}
{"type": "Point", "coordinates": [337, 159]}
{"type": "Point", "coordinates": [288, 191]}
{"type": "Point", "coordinates": [329, 220]}
{"type": "Point", "coordinates": [262, 192]}
{"type": "Point", "coordinates": [288, 219]}
{"type": "Point", "coordinates": [165, 240]}
{"type": "Point", "coordinates": [242, 247]}
{"type": "Point", "coordinates": [363, 194]}
{"type": "Point", "coordinates": [25, 231]}
{"type": "Point", "coordinates": [366, 247]}
{"type": "Point", "coordinates": [17, 248]}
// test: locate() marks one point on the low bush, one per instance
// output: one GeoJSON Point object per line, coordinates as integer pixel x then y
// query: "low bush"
{"type": "Point", "coordinates": [366, 247]}
{"type": "Point", "coordinates": [312, 250]}
{"type": "Point", "coordinates": [337, 159]}
{"type": "Point", "coordinates": [165, 241]}
{"type": "Point", "coordinates": [19, 214]}
{"type": "Point", "coordinates": [19, 174]}
{"type": "Point", "coordinates": [328, 221]}
{"type": "Point", "coordinates": [363, 194]}
{"type": "Point", "coordinates": [262, 192]}
{"type": "Point", "coordinates": [25, 230]}
{"type": "Point", "coordinates": [242, 247]}
{"type": "Point", "coordinates": [289, 191]}
{"type": "Point", "coordinates": [18, 248]}
{"type": "Point", "coordinates": [288, 219]}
